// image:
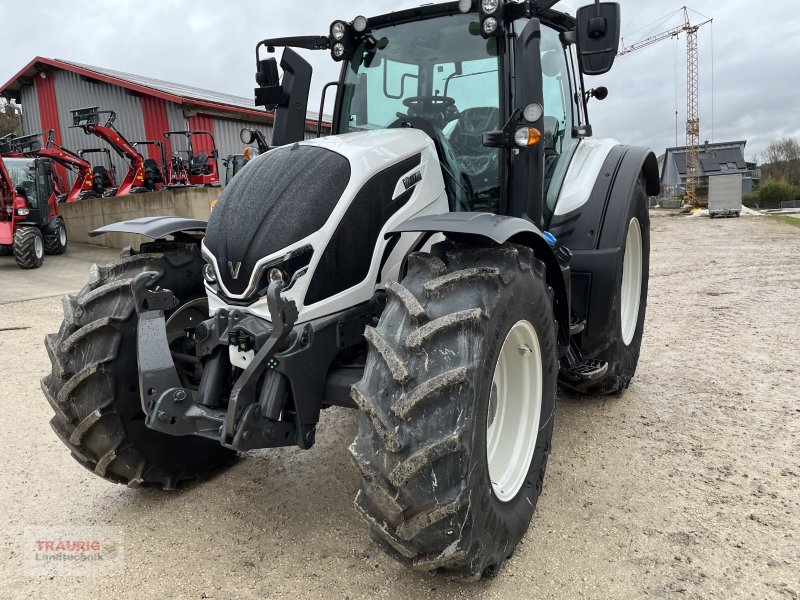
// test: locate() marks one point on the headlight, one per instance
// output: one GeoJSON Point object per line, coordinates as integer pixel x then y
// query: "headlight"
{"type": "Point", "coordinates": [527, 137]}
{"type": "Point", "coordinates": [490, 26]}
{"type": "Point", "coordinates": [338, 50]}
{"type": "Point", "coordinates": [489, 6]}
{"type": "Point", "coordinates": [23, 212]}
{"type": "Point", "coordinates": [338, 29]}
{"type": "Point", "coordinates": [465, 6]}
{"type": "Point", "coordinates": [209, 274]}
{"type": "Point", "coordinates": [360, 24]}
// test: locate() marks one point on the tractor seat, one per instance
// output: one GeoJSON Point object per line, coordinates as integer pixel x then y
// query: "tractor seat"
{"type": "Point", "coordinates": [153, 171]}
{"type": "Point", "coordinates": [101, 180]}
{"type": "Point", "coordinates": [479, 164]}
{"type": "Point", "coordinates": [200, 165]}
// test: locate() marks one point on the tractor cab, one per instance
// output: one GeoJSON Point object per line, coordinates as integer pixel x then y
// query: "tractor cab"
{"type": "Point", "coordinates": [438, 75]}
{"type": "Point", "coordinates": [496, 85]}
{"type": "Point", "coordinates": [233, 164]}
{"type": "Point", "coordinates": [33, 183]}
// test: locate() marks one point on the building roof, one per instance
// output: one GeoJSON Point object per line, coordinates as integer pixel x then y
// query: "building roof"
{"type": "Point", "coordinates": [169, 91]}
{"type": "Point", "coordinates": [715, 159]}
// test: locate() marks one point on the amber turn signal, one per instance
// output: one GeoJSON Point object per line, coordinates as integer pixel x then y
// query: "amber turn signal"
{"type": "Point", "coordinates": [527, 137]}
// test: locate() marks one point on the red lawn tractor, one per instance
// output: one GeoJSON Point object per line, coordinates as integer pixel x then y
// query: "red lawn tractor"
{"type": "Point", "coordinates": [186, 168]}
{"type": "Point", "coordinates": [30, 225]}
{"type": "Point", "coordinates": [135, 181]}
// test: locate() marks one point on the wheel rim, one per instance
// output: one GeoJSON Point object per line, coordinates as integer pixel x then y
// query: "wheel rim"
{"type": "Point", "coordinates": [631, 281]}
{"type": "Point", "coordinates": [38, 247]}
{"type": "Point", "coordinates": [515, 408]}
{"type": "Point", "coordinates": [62, 236]}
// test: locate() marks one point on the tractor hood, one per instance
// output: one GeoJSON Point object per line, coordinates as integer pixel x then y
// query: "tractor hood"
{"type": "Point", "coordinates": [275, 205]}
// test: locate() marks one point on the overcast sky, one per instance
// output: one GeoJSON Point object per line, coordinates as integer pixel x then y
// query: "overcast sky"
{"type": "Point", "coordinates": [210, 44]}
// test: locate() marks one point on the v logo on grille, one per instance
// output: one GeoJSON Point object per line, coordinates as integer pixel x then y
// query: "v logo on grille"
{"type": "Point", "coordinates": [234, 269]}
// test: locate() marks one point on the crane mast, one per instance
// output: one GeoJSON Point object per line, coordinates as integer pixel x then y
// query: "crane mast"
{"type": "Point", "coordinates": [692, 95]}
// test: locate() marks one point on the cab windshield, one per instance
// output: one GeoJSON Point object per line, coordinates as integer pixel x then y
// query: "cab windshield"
{"type": "Point", "coordinates": [23, 177]}
{"type": "Point", "coordinates": [441, 76]}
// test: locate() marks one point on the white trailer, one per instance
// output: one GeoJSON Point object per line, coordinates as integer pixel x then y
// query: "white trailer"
{"type": "Point", "coordinates": [725, 195]}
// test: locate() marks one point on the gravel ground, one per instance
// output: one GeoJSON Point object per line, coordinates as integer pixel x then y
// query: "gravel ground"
{"type": "Point", "coordinates": [688, 486]}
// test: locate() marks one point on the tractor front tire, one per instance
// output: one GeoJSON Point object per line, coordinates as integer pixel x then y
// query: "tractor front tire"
{"type": "Point", "coordinates": [94, 384]}
{"type": "Point", "coordinates": [55, 240]}
{"type": "Point", "coordinates": [28, 247]}
{"type": "Point", "coordinates": [449, 377]}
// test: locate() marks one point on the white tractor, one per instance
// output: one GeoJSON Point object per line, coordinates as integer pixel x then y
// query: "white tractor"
{"type": "Point", "coordinates": [459, 247]}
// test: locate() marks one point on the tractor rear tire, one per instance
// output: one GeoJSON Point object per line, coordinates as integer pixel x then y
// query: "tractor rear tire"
{"type": "Point", "coordinates": [431, 396]}
{"type": "Point", "coordinates": [94, 384]}
{"type": "Point", "coordinates": [28, 247]}
{"type": "Point", "coordinates": [55, 241]}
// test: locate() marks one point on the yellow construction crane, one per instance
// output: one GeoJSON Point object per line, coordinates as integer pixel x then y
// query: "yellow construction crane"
{"type": "Point", "coordinates": [692, 94]}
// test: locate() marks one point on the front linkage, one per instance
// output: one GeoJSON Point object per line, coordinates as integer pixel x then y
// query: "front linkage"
{"type": "Point", "coordinates": [255, 416]}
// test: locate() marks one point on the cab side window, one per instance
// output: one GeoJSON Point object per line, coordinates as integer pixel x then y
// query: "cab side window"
{"type": "Point", "coordinates": [559, 112]}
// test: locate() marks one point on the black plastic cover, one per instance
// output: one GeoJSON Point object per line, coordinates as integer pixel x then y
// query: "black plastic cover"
{"type": "Point", "coordinates": [280, 198]}
{"type": "Point", "coordinates": [348, 256]}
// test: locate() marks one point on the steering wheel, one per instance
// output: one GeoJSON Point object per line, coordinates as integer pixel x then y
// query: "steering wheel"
{"type": "Point", "coordinates": [440, 108]}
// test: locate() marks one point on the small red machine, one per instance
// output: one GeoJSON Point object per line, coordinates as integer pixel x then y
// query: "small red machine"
{"type": "Point", "coordinates": [30, 225]}
{"type": "Point", "coordinates": [135, 181]}
{"type": "Point", "coordinates": [187, 168]}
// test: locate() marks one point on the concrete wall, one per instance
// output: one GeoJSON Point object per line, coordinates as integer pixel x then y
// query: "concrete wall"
{"type": "Point", "coordinates": [87, 215]}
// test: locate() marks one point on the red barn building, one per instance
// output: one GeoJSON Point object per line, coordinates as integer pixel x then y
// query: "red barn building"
{"type": "Point", "coordinates": [48, 89]}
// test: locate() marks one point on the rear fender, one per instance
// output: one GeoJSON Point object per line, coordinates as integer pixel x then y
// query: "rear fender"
{"type": "Point", "coordinates": [499, 230]}
{"type": "Point", "coordinates": [595, 234]}
{"type": "Point", "coordinates": [597, 224]}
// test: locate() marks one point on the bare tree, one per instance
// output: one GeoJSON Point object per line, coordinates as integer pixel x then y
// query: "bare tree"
{"type": "Point", "coordinates": [782, 160]}
{"type": "Point", "coordinates": [10, 118]}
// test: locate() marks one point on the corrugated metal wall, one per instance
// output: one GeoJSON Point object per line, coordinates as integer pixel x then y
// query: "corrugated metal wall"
{"type": "Point", "coordinates": [31, 119]}
{"type": "Point", "coordinates": [74, 92]}
{"type": "Point", "coordinates": [227, 133]}
{"type": "Point", "coordinates": [228, 130]}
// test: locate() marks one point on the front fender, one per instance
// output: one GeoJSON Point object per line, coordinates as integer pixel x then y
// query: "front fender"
{"type": "Point", "coordinates": [500, 229]}
{"type": "Point", "coordinates": [153, 227]}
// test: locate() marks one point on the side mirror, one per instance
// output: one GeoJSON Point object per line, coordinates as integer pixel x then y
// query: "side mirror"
{"type": "Point", "coordinates": [270, 92]}
{"type": "Point", "coordinates": [267, 72]}
{"type": "Point", "coordinates": [598, 34]}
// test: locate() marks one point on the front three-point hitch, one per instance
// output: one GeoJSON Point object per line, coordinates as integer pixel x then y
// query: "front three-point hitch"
{"type": "Point", "coordinates": [254, 416]}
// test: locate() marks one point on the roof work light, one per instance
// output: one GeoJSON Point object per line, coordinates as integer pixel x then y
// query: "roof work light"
{"type": "Point", "coordinates": [491, 17]}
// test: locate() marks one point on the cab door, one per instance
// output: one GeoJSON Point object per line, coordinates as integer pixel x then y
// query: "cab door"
{"type": "Point", "coordinates": [40, 203]}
